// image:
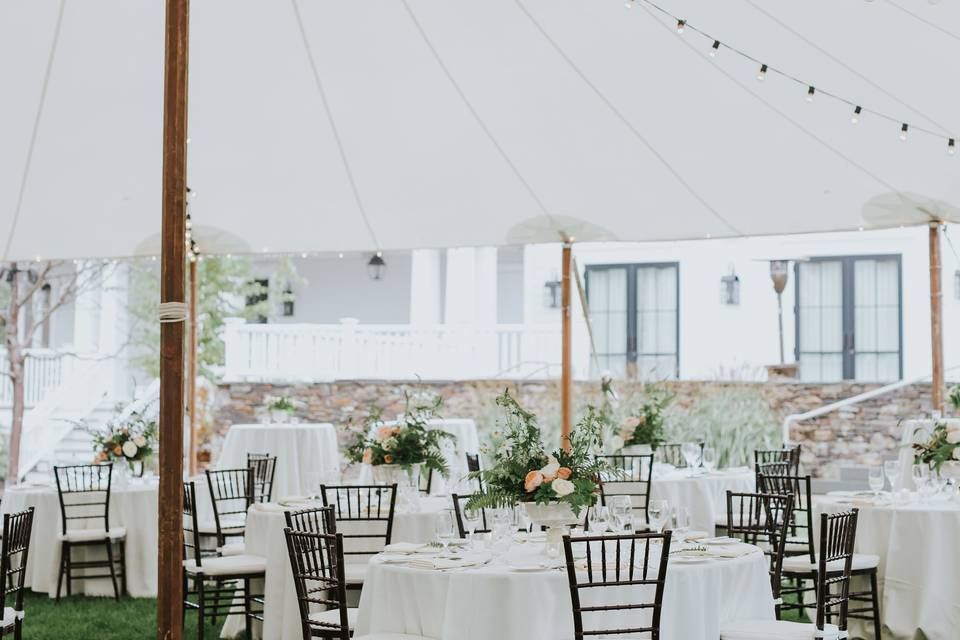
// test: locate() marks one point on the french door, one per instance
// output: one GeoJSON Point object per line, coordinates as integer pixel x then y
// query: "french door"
{"type": "Point", "coordinates": [848, 313]}
{"type": "Point", "coordinates": [634, 312]}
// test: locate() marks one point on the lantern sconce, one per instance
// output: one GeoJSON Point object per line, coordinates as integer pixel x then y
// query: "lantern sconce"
{"type": "Point", "coordinates": [730, 288]}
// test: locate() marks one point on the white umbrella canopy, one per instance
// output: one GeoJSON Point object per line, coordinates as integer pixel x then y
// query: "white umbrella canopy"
{"type": "Point", "coordinates": [399, 125]}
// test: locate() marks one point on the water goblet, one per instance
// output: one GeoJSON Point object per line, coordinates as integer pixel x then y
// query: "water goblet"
{"type": "Point", "coordinates": [472, 519]}
{"type": "Point", "coordinates": [891, 468]}
{"type": "Point", "coordinates": [709, 458]}
{"type": "Point", "coordinates": [444, 529]}
{"type": "Point", "coordinates": [681, 520]}
{"type": "Point", "coordinates": [658, 511]}
{"type": "Point", "coordinates": [875, 479]}
{"type": "Point", "coordinates": [621, 510]}
{"type": "Point", "coordinates": [598, 519]}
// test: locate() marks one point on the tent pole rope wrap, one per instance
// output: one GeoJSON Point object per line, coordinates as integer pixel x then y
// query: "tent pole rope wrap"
{"type": "Point", "coordinates": [341, 150]}
{"type": "Point", "coordinates": [482, 124]}
{"type": "Point", "coordinates": [172, 312]}
{"type": "Point", "coordinates": [636, 132]}
{"type": "Point", "coordinates": [58, 28]}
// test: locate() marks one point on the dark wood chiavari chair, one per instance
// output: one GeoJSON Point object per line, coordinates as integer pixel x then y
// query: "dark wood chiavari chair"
{"type": "Point", "coordinates": [425, 481]}
{"type": "Point", "coordinates": [84, 493]}
{"type": "Point", "coordinates": [672, 453]}
{"type": "Point", "coordinates": [316, 560]}
{"type": "Point", "coordinates": [458, 504]}
{"type": "Point", "coordinates": [772, 469]}
{"type": "Point", "coordinates": [800, 565]}
{"type": "Point", "coordinates": [264, 466]}
{"type": "Point", "coordinates": [630, 475]}
{"type": "Point", "coordinates": [762, 519]}
{"type": "Point", "coordinates": [231, 494]}
{"type": "Point", "coordinates": [790, 455]}
{"type": "Point", "coordinates": [637, 560]}
{"type": "Point", "coordinates": [364, 514]}
{"type": "Point", "coordinates": [312, 520]}
{"type": "Point", "coordinates": [210, 583]}
{"type": "Point", "coordinates": [834, 567]}
{"type": "Point", "coordinates": [17, 528]}
{"type": "Point", "coordinates": [473, 466]}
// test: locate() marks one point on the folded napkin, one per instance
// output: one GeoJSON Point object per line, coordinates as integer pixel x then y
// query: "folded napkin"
{"type": "Point", "coordinates": [407, 547]}
{"type": "Point", "coordinates": [447, 563]}
{"type": "Point", "coordinates": [732, 551]}
{"type": "Point", "coordinates": [269, 507]}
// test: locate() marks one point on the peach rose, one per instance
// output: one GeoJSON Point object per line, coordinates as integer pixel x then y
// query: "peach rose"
{"type": "Point", "coordinates": [118, 450]}
{"type": "Point", "coordinates": [367, 456]}
{"type": "Point", "coordinates": [564, 472]}
{"type": "Point", "coordinates": [387, 458]}
{"type": "Point", "coordinates": [631, 422]}
{"type": "Point", "coordinates": [383, 433]}
{"type": "Point", "coordinates": [533, 480]}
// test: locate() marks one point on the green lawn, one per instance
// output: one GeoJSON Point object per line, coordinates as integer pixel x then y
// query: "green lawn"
{"type": "Point", "coordinates": [79, 618]}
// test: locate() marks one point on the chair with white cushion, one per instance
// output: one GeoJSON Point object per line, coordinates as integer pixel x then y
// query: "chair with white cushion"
{"type": "Point", "coordinates": [837, 534]}
{"type": "Point", "coordinates": [13, 569]}
{"type": "Point", "coordinates": [364, 515]}
{"type": "Point", "coordinates": [84, 493]}
{"type": "Point", "coordinates": [800, 565]}
{"type": "Point", "coordinates": [211, 583]}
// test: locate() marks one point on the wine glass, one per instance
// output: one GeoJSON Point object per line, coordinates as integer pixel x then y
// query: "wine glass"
{"type": "Point", "coordinates": [658, 512]}
{"type": "Point", "coordinates": [621, 508]}
{"type": "Point", "coordinates": [891, 468]}
{"type": "Point", "coordinates": [709, 458]}
{"type": "Point", "coordinates": [875, 479]}
{"type": "Point", "coordinates": [444, 529]}
{"type": "Point", "coordinates": [501, 519]}
{"type": "Point", "coordinates": [681, 520]}
{"type": "Point", "coordinates": [691, 453]}
{"type": "Point", "coordinates": [599, 518]}
{"type": "Point", "coordinates": [472, 519]}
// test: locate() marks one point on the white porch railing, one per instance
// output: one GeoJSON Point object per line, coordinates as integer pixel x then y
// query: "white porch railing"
{"type": "Point", "coordinates": [349, 350]}
{"type": "Point", "coordinates": [44, 371]}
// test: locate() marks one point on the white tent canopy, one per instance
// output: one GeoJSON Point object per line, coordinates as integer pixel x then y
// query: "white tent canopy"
{"type": "Point", "coordinates": [426, 124]}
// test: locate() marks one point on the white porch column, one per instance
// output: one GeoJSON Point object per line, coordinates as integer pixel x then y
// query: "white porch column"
{"type": "Point", "coordinates": [485, 286]}
{"type": "Point", "coordinates": [426, 287]}
{"type": "Point", "coordinates": [86, 317]}
{"type": "Point", "coordinates": [471, 286]}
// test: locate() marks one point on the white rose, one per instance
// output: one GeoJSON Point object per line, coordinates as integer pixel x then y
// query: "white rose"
{"type": "Point", "coordinates": [130, 449]}
{"type": "Point", "coordinates": [563, 487]}
{"type": "Point", "coordinates": [956, 453]}
{"type": "Point", "coordinates": [631, 422]}
{"type": "Point", "coordinates": [550, 471]}
{"type": "Point", "coordinates": [140, 441]}
{"type": "Point", "coordinates": [616, 443]}
{"type": "Point", "coordinates": [390, 444]}
{"type": "Point", "coordinates": [953, 436]}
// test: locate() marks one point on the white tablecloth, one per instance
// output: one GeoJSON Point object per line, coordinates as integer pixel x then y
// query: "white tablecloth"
{"type": "Point", "coordinates": [495, 602]}
{"type": "Point", "coordinates": [133, 507]}
{"type": "Point", "coordinates": [919, 571]}
{"type": "Point", "coordinates": [302, 450]}
{"type": "Point", "coordinates": [705, 494]}
{"type": "Point", "coordinates": [264, 537]}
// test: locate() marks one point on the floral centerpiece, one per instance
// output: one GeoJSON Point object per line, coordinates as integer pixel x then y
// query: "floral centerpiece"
{"type": "Point", "coordinates": [943, 445]}
{"type": "Point", "coordinates": [408, 445]}
{"type": "Point", "coordinates": [524, 471]}
{"type": "Point", "coordinates": [280, 409]}
{"type": "Point", "coordinates": [641, 425]}
{"type": "Point", "coordinates": [131, 439]}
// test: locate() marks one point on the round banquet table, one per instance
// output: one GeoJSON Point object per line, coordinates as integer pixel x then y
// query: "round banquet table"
{"type": "Point", "coordinates": [495, 601]}
{"type": "Point", "coordinates": [705, 493]}
{"type": "Point", "coordinates": [302, 450]}
{"type": "Point", "coordinates": [264, 537]}
{"type": "Point", "coordinates": [919, 559]}
{"type": "Point", "coordinates": [133, 506]}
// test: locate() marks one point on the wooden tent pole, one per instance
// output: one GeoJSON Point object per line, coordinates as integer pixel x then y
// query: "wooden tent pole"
{"type": "Point", "coordinates": [565, 374]}
{"type": "Point", "coordinates": [173, 208]}
{"type": "Point", "coordinates": [936, 318]}
{"type": "Point", "coordinates": [192, 379]}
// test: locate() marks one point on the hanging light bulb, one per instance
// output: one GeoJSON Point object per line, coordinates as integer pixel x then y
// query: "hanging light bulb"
{"type": "Point", "coordinates": [762, 74]}
{"type": "Point", "coordinates": [629, 4]}
{"type": "Point", "coordinates": [855, 118]}
{"type": "Point", "coordinates": [680, 25]}
{"type": "Point", "coordinates": [715, 49]}
{"type": "Point", "coordinates": [340, 255]}
{"type": "Point", "coordinates": [189, 223]}
{"type": "Point", "coordinates": [811, 91]}
{"type": "Point", "coordinates": [903, 131]}
{"type": "Point", "coordinates": [951, 146]}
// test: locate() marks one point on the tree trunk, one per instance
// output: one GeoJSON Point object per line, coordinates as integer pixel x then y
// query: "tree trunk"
{"type": "Point", "coordinates": [16, 360]}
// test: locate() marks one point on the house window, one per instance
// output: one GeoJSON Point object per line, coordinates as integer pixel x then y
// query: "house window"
{"type": "Point", "coordinates": [634, 312]}
{"type": "Point", "coordinates": [849, 319]}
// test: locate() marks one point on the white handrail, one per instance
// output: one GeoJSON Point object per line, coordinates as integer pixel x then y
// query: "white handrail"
{"type": "Point", "coordinates": [846, 402]}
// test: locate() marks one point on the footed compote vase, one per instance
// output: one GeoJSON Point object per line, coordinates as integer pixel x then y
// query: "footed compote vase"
{"type": "Point", "coordinates": [556, 517]}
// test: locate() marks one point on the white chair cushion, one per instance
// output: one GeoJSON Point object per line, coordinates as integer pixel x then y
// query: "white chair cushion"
{"type": "Point", "coordinates": [228, 566]}
{"type": "Point", "coordinates": [88, 535]}
{"type": "Point", "coordinates": [796, 547]}
{"type": "Point", "coordinates": [776, 630]}
{"type": "Point", "coordinates": [10, 616]}
{"type": "Point", "coordinates": [233, 549]}
{"type": "Point", "coordinates": [232, 527]}
{"type": "Point", "coordinates": [354, 573]}
{"type": "Point", "coordinates": [332, 616]}
{"type": "Point", "coordinates": [389, 636]}
{"type": "Point", "coordinates": [801, 564]}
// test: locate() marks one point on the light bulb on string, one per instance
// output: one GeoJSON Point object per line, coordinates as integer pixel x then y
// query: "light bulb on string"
{"type": "Point", "coordinates": [903, 131]}
{"type": "Point", "coordinates": [762, 74]}
{"type": "Point", "coordinates": [715, 49]}
{"type": "Point", "coordinates": [680, 25]}
{"type": "Point", "coordinates": [855, 118]}
{"type": "Point", "coordinates": [811, 91]}
{"type": "Point", "coordinates": [340, 255]}
{"type": "Point", "coordinates": [951, 146]}
{"type": "Point", "coordinates": [629, 4]}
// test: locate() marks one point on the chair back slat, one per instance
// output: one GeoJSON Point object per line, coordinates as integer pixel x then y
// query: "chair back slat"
{"type": "Point", "coordinates": [84, 493]}
{"type": "Point", "coordinates": [313, 520]}
{"type": "Point", "coordinates": [800, 532]}
{"type": "Point", "coordinates": [790, 455]}
{"type": "Point", "coordinates": [629, 475]}
{"type": "Point", "coordinates": [838, 533]}
{"type": "Point", "coordinates": [364, 515]}
{"type": "Point", "coordinates": [631, 568]}
{"type": "Point", "coordinates": [191, 530]}
{"type": "Point", "coordinates": [264, 466]}
{"type": "Point", "coordinates": [17, 528]}
{"type": "Point", "coordinates": [672, 453]}
{"type": "Point", "coordinates": [316, 560]}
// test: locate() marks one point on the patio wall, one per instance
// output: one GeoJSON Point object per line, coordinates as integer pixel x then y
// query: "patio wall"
{"type": "Point", "coordinates": [852, 436]}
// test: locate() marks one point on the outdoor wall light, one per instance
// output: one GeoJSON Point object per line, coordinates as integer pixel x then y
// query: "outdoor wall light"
{"type": "Point", "coordinates": [730, 289]}
{"type": "Point", "coordinates": [376, 268]}
{"type": "Point", "coordinates": [551, 293]}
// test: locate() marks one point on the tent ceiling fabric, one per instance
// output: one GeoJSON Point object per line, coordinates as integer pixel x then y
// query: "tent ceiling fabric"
{"type": "Point", "coordinates": [471, 123]}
